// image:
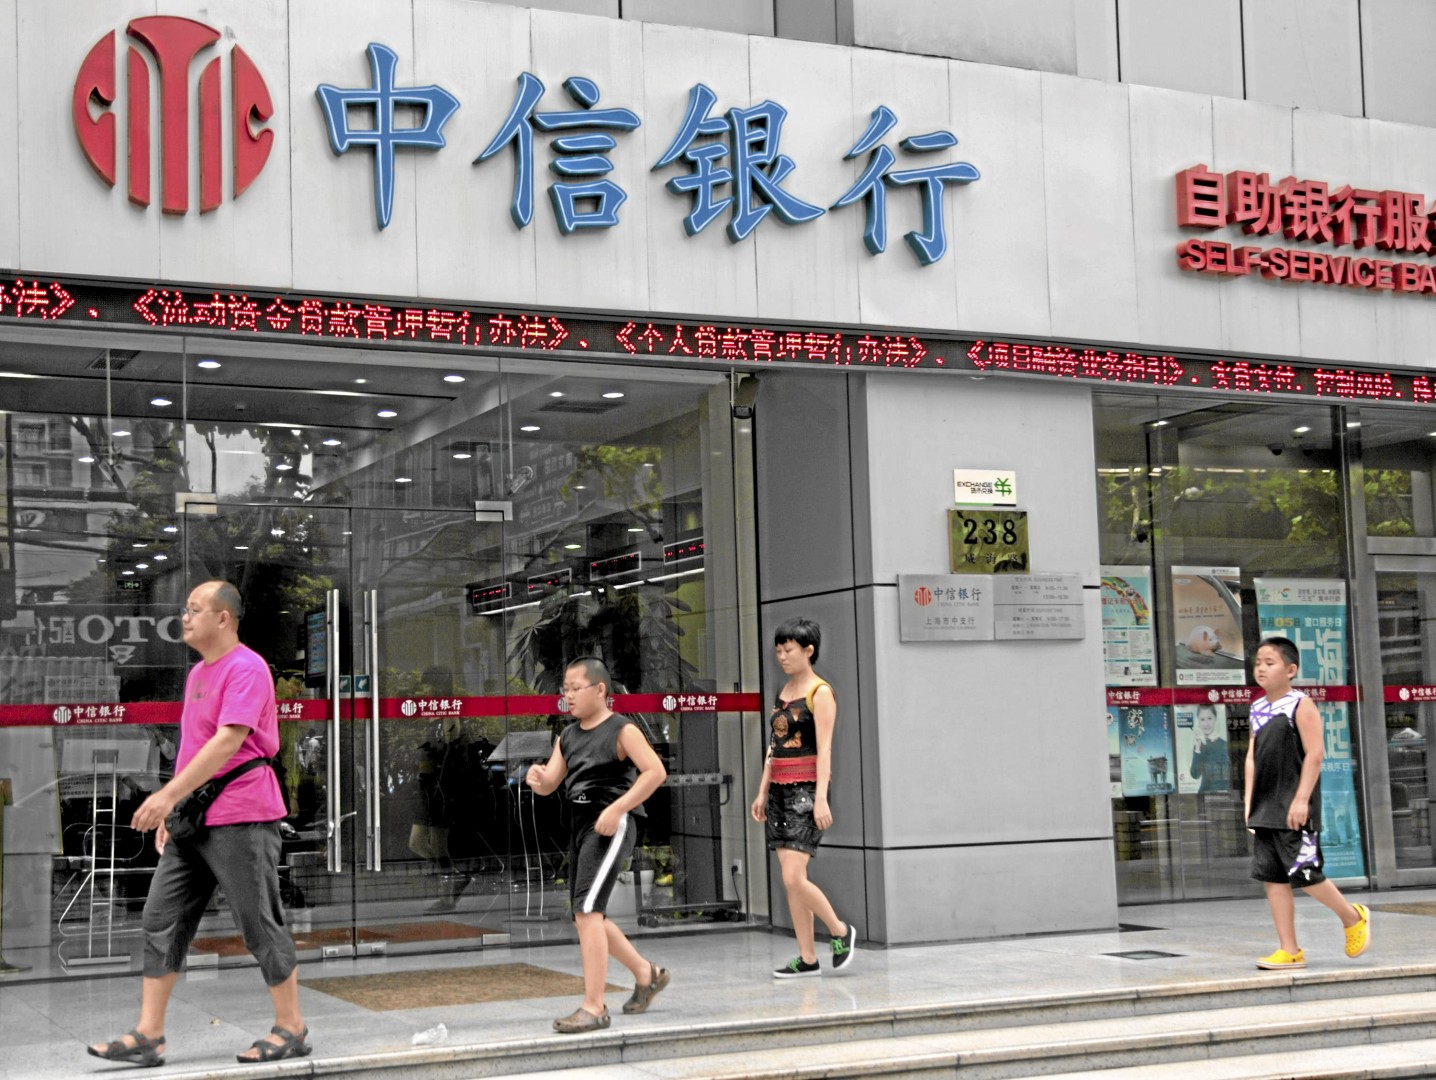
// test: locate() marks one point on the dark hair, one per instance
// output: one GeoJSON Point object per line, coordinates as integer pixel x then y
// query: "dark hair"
{"type": "Point", "coordinates": [226, 596]}
{"type": "Point", "coordinates": [802, 630]}
{"type": "Point", "coordinates": [1288, 649]}
{"type": "Point", "coordinates": [594, 669]}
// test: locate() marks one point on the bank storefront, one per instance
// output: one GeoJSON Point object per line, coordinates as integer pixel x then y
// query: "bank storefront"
{"type": "Point", "coordinates": [466, 339]}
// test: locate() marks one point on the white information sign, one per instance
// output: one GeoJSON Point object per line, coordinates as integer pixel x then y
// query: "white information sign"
{"type": "Point", "coordinates": [984, 487]}
{"type": "Point", "coordinates": [1036, 607]}
{"type": "Point", "coordinates": [945, 607]}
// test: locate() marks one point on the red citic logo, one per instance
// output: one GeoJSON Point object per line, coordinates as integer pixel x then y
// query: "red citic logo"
{"type": "Point", "coordinates": [172, 43]}
{"type": "Point", "coordinates": [923, 595]}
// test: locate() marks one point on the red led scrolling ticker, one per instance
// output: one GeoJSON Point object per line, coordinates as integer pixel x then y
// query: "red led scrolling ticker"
{"type": "Point", "coordinates": [375, 324]}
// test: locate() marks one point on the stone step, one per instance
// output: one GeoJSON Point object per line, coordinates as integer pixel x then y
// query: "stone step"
{"type": "Point", "coordinates": [1178, 1025]}
{"type": "Point", "coordinates": [1264, 1039]}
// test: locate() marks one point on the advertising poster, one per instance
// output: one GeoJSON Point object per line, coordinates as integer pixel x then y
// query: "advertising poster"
{"type": "Point", "coordinates": [1204, 765]}
{"type": "Point", "coordinates": [1129, 652]}
{"type": "Point", "coordinates": [1312, 612]}
{"type": "Point", "coordinates": [7, 515]}
{"type": "Point", "coordinates": [1145, 749]}
{"type": "Point", "coordinates": [1114, 750]}
{"type": "Point", "coordinates": [1207, 626]}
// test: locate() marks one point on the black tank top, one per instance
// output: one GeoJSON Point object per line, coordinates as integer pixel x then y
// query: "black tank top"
{"type": "Point", "coordinates": [793, 733]}
{"type": "Point", "coordinates": [597, 776]}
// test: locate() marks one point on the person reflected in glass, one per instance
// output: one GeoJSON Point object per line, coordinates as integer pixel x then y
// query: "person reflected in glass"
{"type": "Point", "coordinates": [1211, 767]}
{"type": "Point", "coordinates": [792, 799]}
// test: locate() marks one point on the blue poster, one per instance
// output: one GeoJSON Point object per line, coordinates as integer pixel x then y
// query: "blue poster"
{"type": "Point", "coordinates": [1312, 612]}
{"type": "Point", "coordinates": [1145, 743]}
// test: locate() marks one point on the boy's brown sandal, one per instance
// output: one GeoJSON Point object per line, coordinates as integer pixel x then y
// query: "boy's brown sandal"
{"type": "Point", "coordinates": [581, 1020]}
{"type": "Point", "coordinates": [642, 996]}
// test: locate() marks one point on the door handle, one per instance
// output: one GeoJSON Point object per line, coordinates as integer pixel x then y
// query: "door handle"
{"type": "Point", "coordinates": [375, 859]}
{"type": "Point", "coordinates": [335, 784]}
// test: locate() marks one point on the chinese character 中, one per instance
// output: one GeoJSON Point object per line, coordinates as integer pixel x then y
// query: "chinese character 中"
{"type": "Point", "coordinates": [437, 104]}
{"type": "Point", "coordinates": [757, 169]}
{"type": "Point", "coordinates": [580, 155]}
{"type": "Point", "coordinates": [931, 244]}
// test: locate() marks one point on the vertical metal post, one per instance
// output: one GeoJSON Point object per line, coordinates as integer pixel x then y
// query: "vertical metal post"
{"type": "Point", "coordinates": [373, 763]}
{"type": "Point", "coordinates": [334, 784]}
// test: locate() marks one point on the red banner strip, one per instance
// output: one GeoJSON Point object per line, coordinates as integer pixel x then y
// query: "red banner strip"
{"type": "Point", "coordinates": [1405, 695]}
{"type": "Point", "coordinates": [1218, 695]}
{"type": "Point", "coordinates": [425, 708]}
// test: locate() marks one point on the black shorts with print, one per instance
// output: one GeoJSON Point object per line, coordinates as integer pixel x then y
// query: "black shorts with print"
{"type": "Point", "coordinates": [1287, 857]}
{"type": "Point", "coordinates": [790, 818]}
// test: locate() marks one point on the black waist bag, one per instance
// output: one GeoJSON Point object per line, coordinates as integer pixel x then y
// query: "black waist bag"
{"type": "Point", "coordinates": [186, 821]}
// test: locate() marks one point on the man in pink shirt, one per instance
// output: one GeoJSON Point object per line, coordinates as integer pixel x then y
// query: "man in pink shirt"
{"type": "Point", "coordinates": [229, 718]}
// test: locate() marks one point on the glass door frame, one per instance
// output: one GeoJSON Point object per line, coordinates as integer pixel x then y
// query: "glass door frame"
{"type": "Point", "coordinates": [1383, 554]}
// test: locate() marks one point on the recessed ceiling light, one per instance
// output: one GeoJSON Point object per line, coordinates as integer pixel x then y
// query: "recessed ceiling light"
{"type": "Point", "coordinates": [403, 479]}
{"type": "Point", "coordinates": [160, 402]}
{"type": "Point", "coordinates": [636, 528]}
{"type": "Point", "coordinates": [18, 375]}
{"type": "Point", "coordinates": [241, 547]}
{"type": "Point", "coordinates": [530, 427]}
{"type": "Point", "coordinates": [127, 573]}
{"type": "Point", "coordinates": [333, 442]}
{"type": "Point", "coordinates": [1160, 423]}
{"type": "Point", "coordinates": [118, 433]}
{"type": "Point", "coordinates": [139, 544]}
{"type": "Point", "coordinates": [648, 464]}
{"type": "Point", "coordinates": [284, 466]}
{"type": "Point", "coordinates": [1353, 423]}
{"type": "Point", "coordinates": [209, 365]}
{"type": "Point", "coordinates": [142, 566]}
{"type": "Point", "coordinates": [87, 460]}
{"type": "Point", "coordinates": [361, 382]}
{"type": "Point", "coordinates": [461, 456]}
{"type": "Point", "coordinates": [612, 394]}
{"type": "Point", "coordinates": [580, 487]}
{"type": "Point", "coordinates": [171, 528]}
{"type": "Point", "coordinates": [387, 414]}
{"type": "Point", "coordinates": [161, 558]}
{"type": "Point", "coordinates": [572, 547]}
{"type": "Point", "coordinates": [454, 378]}
{"type": "Point", "coordinates": [276, 532]}
{"type": "Point", "coordinates": [555, 393]}
{"type": "Point", "coordinates": [1301, 430]}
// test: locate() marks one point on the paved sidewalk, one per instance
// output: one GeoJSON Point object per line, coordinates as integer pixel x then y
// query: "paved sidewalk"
{"type": "Point", "coordinates": [717, 976]}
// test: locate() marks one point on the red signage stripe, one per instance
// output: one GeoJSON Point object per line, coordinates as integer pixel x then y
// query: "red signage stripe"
{"type": "Point", "coordinates": [1219, 695]}
{"type": "Point", "coordinates": [427, 708]}
{"type": "Point", "coordinates": [1404, 695]}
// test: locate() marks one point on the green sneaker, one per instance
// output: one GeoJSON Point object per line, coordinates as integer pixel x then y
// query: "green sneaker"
{"type": "Point", "coordinates": [843, 949]}
{"type": "Point", "coordinates": [796, 968]}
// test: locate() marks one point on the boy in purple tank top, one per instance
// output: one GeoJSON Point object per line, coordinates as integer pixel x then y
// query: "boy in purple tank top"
{"type": "Point", "coordinates": [1283, 805]}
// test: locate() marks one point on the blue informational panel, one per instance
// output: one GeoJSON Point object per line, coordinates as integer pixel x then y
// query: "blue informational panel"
{"type": "Point", "coordinates": [1312, 613]}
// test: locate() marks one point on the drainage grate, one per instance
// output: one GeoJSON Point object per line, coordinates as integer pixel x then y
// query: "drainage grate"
{"type": "Point", "coordinates": [1143, 954]}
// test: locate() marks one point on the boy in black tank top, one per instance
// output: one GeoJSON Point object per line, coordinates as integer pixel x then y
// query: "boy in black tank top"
{"type": "Point", "coordinates": [607, 769]}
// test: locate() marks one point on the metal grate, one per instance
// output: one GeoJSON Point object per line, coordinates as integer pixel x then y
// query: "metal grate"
{"type": "Point", "coordinates": [580, 406]}
{"type": "Point", "coordinates": [1143, 954]}
{"type": "Point", "coordinates": [118, 359]}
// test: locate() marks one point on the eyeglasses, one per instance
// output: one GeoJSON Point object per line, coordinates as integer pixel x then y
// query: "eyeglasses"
{"type": "Point", "coordinates": [569, 690]}
{"type": "Point", "coordinates": [192, 613]}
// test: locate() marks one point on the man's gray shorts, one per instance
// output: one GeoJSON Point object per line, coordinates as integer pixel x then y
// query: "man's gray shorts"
{"type": "Point", "coordinates": [243, 860]}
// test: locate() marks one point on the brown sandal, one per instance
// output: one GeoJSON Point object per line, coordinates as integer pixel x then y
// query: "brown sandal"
{"type": "Point", "coordinates": [581, 1020]}
{"type": "Point", "coordinates": [643, 996]}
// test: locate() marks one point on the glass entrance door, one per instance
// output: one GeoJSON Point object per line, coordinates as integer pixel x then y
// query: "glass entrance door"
{"type": "Point", "coordinates": [1406, 608]}
{"type": "Point", "coordinates": [391, 706]}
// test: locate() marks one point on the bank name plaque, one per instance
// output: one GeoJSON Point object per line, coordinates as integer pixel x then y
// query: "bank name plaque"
{"type": "Point", "coordinates": [988, 607]}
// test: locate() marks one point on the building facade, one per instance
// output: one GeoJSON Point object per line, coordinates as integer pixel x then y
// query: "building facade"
{"type": "Point", "coordinates": [470, 338]}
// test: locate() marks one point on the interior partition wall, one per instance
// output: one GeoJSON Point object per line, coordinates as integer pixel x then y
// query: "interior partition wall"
{"type": "Point", "coordinates": [422, 541]}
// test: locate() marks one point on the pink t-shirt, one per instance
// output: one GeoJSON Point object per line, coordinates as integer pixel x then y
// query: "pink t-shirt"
{"type": "Point", "coordinates": [235, 689]}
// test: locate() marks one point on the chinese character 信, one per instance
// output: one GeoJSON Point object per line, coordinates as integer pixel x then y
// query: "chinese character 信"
{"type": "Point", "coordinates": [756, 170]}
{"type": "Point", "coordinates": [577, 204]}
{"type": "Point", "coordinates": [386, 135]}
{"type": "Point", "coordinates": [930, 245]}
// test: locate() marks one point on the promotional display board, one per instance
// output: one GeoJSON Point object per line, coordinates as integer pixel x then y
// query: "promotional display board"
{"type": "Point", "coordinates": [1207, 626]}
{"type": "Point", "coordinates": [1145, 746]}
{"type": "Point", "coordinates": [1129, 647]}
{"type": "Point", "coordinates": [1312, 613]}
{"type": "Point", "coordinates": [1204, 765]}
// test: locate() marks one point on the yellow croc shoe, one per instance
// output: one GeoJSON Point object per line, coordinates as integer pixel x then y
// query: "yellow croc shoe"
{"type": "Point", "coordinates": [1281, 960]}
{"type": "Point", "coordinates": [1359, 936]}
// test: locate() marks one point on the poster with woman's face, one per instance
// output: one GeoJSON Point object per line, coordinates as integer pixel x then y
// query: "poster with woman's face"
{"type": "Point", "coordinates": [1207, 626]}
